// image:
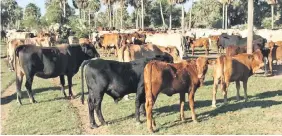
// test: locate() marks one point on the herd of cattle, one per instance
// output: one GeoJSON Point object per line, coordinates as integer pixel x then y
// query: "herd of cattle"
{"type": "Point", "coordinates": [148, 63]}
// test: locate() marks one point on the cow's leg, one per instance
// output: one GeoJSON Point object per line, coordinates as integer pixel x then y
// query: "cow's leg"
{"type": "Point", "coordinates": [270, 63]}
{"type": "Point", "coordinates": [238, 89]}
{"type": "Point", "coordinates": [191, 104]}
{"type": "Point", "coordinates": [245, 90]}
{"type": "Point", "coordinates": [91, 113]}
{"type": "Point", "coordinates": [265, 66]}
{"type": "Point", "coordinates": [62, 80]}
{"type": "Point", "coordinates": [98, 104]}
{"type": "Point", "coordinates": [215, 85]}
{"type": "Point", "coordinates": [140, 99]}
{"type": "Point", "coordinates": [19, 81]}
{"type": "Point", "coordinates": [137, 109]}
{"type": "Point", "coordinates": [149, 107]}
{"type": "Point", "coordinates": [192, 50]}
{"type": "Point", "coordinates": [28, 85]}
{"type": "Point", "coordinates": [182, 100]}
{"type": "Point", "coordinates": [70, 85]}
{"type": "Point", "coordinates": [224, 91]}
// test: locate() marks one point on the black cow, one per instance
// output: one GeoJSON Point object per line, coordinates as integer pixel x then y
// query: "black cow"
{"type": "Point", "coordinates": [226, 40]}
{"type": "Point", "coordinates": [116, 79]}
{"type": "Point", "coordinates": [49, 62]}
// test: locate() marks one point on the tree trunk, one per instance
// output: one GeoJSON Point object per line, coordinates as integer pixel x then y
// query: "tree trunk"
{"type": "Point", "coordinates": [226, 16]}
{"type": "Point", "coordinates": [170, 19]}
{"type": "Point", "coordinates": [162, 15]}
{"type": "Point", "coordinates": [142, 14]}
{"type": "Point", "coordinates": [79, 13]}
{"type": "Point", "coordinates": [272, 16]}
{"type": "Point", "coordinates": [64, 4]}
{"type": "Point", "coordinates": [95, 19]}
{"type": "Point", "coordinates": [136, 18]}
{"type": "Point", "coordinates": [223, 7]}
{"type": "Point", "coordinates": [89, 19]}
{"type": "Point", "coordinates": [250, 26]}
{"type": "Point", "coordinates": [190, 16]}
{"type": "Point", "coordinates": [182, 22]}
{"type": "Point", "coordinates": [84, 15]}
{"type": "Point", "coordinates": [121, 15]}
{"type": "Point", "coordinates": [140, 19]}
{"type": "Point", "coordinates": [110, 15]}
{"type": "Point", "coordinates": [113, 18]}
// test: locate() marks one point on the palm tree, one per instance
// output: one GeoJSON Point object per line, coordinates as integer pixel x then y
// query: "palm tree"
{"type": "Point", "coordinates": [109, 3]}
{"type": "Point", "coordinates": [182, 20]}
{"type": "Point", "coordinates": [250, 26]}
{"type": "Point", "coordinates": [272, 3]}
{"type": "Point", "coordinates": [162, 15]}
{"type": "Point", "coordinates": [81, 5]}
{"type": "Point", "coordinates": [190, 15]}
{"type": "Point", "coordinates": [137, 4]}
{"type": "Point", "coordinates": [225, 4]}
{"type": "Point", "coordinates": [93, 6]}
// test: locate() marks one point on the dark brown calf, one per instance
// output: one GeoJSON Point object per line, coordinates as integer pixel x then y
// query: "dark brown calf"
{"type": "Point", "coordinates": [170, 79]}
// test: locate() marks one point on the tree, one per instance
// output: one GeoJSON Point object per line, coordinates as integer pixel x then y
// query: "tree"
{"type": "Point", "coordinates": [272, 3]}
{"type": "Point", "coordinates": [31, 16]}
{"type": "Point", "coordinates": [250, 26]}
{"type": "Point", "coordinates": [55, 13]}
{"type": "Point", "coordinates": [182, 19]}
{"type": "Point", "coordinates": [109, 3]}
{"type": "Point", "coordinates": [93, 7]}
{"type": "Point", "coordinates": [10, 13]}
{"type": "Point", "coordinates": [162, 15]}
{"type": "Point", "coordinates": [225, 4]}
{"type": "Point", "coordinates": [81, 5]}
{"type": "Point", "coordinates": [208, 14]}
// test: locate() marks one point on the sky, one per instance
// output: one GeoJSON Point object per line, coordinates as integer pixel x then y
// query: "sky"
{"type": "Point", "coordinates": [41, 5]}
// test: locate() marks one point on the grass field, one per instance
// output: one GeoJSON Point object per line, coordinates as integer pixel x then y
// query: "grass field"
{"type": "Point", "coordinates": [54, 114]}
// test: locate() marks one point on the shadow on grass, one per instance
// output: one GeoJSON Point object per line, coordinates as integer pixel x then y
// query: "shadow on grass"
{"type": "Point", "coordinates": [8, 99]}
{"type": "Point", "coordinates": [219, 110]}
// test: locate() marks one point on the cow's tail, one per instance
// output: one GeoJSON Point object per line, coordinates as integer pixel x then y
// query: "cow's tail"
{"type": "Point", "coordinates": [16, 55]}
{"type": "Point", "coordinates": [82, 79]}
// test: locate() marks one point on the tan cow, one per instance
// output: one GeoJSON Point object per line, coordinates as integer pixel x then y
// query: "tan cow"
{"type": "Point", "coordinates": [132, 52]}
{"type": "Point", "coordinates": [235, 69]}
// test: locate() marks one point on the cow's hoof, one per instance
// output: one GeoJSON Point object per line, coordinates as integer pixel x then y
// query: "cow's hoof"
{"type": "Point", "coordinates": [138, 123]}
{"type": "Point", "coordinates": [92, 126]}
{"type": "Point", "coordinates": [214, 106]}
{"type": "Point", "coordinates": [195, 121]}
{"type": "Point", "coordinates": [104, 124]}
{"type": "Point", "coordinates": [151, 130]}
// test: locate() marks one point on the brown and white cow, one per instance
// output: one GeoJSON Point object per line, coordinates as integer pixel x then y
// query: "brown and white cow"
{"type": "Point", "coordinates": [183, 77]}
{"type": "Point", "coordinates": [235, 69]}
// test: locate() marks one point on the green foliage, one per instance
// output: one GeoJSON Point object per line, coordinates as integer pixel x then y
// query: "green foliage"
{"type": "Point", "coordinates": [10, 13]}
{"type": "Point", "coordinates": [31, 16]}
{"type": "Point", "coordinates": [206, 13]}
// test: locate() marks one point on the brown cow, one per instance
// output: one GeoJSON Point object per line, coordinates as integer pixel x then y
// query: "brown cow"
{"type": "Point", "coordinates": [234, 49]}
{"type": "Point", "coordinates": [183, 77]}
{"type": "Point", "coordinates": [111, 40]}
{"type": "Point", "coordinates": [237, 68]}
{"type": "Point", "coordinates": [275, 53]}
{"type": "Point", "coordinates": [132, 52]}
{"type": "Point", "coordinates": [201, 42]}
{"type": "Point", "coordinates": [11, 51]}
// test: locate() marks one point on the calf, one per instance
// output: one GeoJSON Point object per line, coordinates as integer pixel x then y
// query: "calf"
{"type": "Point", "coordinates": [110, 40]}
{"type": "Point", "coordinates": [275, 53]}
{"type": "Point", "coordinates": [116, 79]}
{"type": "Point", "coordinates": [49, 62]}
{"type": "Point", "coordinates": [201, 42]}
{"type": "Point", "coordinates": [183, 77]}
{"type": "Point", "coordinates": [235, 69]}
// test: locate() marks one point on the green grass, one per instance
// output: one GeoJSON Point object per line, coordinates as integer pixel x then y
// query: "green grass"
{"type": "Point", "coordinates": [7, 77]}
{"type": "Point", "coordinates": [55, 115]}
{"type": "Point", "coordinates": [51, 115]}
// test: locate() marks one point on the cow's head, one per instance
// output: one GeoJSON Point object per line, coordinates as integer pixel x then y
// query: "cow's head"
{"type": "Point", "coordinates": [89, 51]}
{"type": "Point", "coordinates": [174, 53]}
{"type": "Point", "coordinates": [202, 67]}
{"type": "Point", "coordinates": [256, 59]}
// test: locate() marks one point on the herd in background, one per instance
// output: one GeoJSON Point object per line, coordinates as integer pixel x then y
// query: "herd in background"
{"type": "Point", "coordinates": [149, 63]}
